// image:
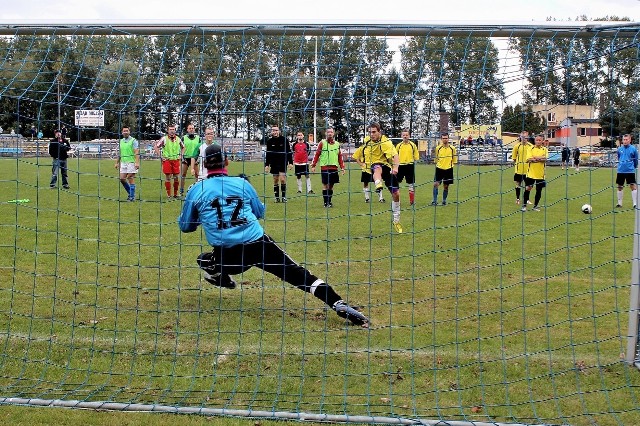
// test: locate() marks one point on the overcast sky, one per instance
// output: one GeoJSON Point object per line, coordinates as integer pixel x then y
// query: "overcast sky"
{"type": "Point", "coordinates": [261, 10]}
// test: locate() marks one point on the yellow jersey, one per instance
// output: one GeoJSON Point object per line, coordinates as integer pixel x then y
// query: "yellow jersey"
{"type": "Point", "coordinates": [446, 156]}
{"type": "Point", "coordinates": [407, 152]}
{"type": "Point", "coordinates": [381, 152]}
{"type": "Point", "coordinates": [519, 155]}
{"type": "Point", "coordinates": [536, 170]}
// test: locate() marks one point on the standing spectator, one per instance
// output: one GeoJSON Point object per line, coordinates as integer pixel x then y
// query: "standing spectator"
{"type": "Point", "coordinates": [64, 132]}
{"type": "Point", "coordinates": [379, 155]}
{"type": "Point", "coordinates": [170, 149]}
{"type": "Point", "coordinates": [201, 173]}
{"type": "Point", "coordinates": [33, 132]}
{"type": "Point", "coordinates": [190, 159]}
{"type": "Point", "coordinates": [576, 158]}
{"type": "Point", "coordinates": [566, 155]}
{"type": "Point", "coordinates": [277, 157]}
{"type": "Point", "coordinates": [59, 150]}
{"type": "Point", "coordinates": [301, 151]}
{"type": "Point", "coordinates": [128, 162]}
{"type": "Point", "coordinates": [408, 154]}
{"type": "Point", "coordinates": [627, 165]}
{"type": "Point", "coordinates": [519, 155]}
{"type": "Point", "coordinates": [329, 156]}
{"type": "Point", "coordinates": [446, 157]}
{"type": "Point", "coordinates": [229, 209]}
{"type": "Point", "coordinates": [39, 133]}
{"type": "Point", "coordinates": [535, 173]}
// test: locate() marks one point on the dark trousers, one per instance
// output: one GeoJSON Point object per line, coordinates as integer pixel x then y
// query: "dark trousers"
{"type": "Point", "coordinates": [62, 166]}
{"type": "Point", "coordinates": [265, 254]}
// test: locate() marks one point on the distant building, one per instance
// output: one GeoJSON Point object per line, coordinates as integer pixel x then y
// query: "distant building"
{"type": "Point", "coordinates": [574, 125]}
{"type": "Point", "coordinates": [579, 132]}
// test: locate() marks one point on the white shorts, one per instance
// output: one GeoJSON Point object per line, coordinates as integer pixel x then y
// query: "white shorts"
{"type": "Point", "coordinates": [128, 168]}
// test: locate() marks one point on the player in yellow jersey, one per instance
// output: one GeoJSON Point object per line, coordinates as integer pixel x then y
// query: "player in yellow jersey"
{"type": "Point", "coordinates": [378, 154]}
{"type": "Point", "coordinates": [408, 155]}
{"type": "Point", "coordinates": [519, 155]}
{"type": "Point", "coordinates": [535, 173]}
{"type": "Point", "coordinates": [446, 157]}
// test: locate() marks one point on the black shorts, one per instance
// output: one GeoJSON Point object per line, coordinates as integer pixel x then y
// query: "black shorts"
{"type": "Point", "coordinates": [538, 183]}
{"type": "Point", "coordinates": [301, 169]}
{"type": "Point", "coordinates": [565, 158]}
{"type": "Point", "coordinates": [407, 171]}
{"type": "Point", "coordinates": [518, 178]}
{"type": "Point", "coordinates": [629, 178]}
{"type": "Point", "coordinates": [390, 180]}
{"type": "Point", "coordinates": [330, 177]}
{"type": "Point", "coordinates": [576, 161]}
{"type": "Point", "coordinates": [187, 161]}
{"type": "Point", "coordinates": [444, 176]}
{"type": "Point", "coordinates": [366, 177]}
{"type": "Point", "coordinates": [276, 169]}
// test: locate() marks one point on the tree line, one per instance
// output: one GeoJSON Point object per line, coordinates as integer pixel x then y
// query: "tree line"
{"type": "Point", "coordinates": [241, 84]}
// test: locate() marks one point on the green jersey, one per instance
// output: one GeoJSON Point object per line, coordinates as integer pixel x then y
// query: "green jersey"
{"type": "Point", "coordinates": [191, 146]}
{"type": "Point", "coordinates": [127, 150]}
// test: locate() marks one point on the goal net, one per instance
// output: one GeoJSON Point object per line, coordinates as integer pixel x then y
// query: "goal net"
{"type": "Point", "coordinates": [481, 313]}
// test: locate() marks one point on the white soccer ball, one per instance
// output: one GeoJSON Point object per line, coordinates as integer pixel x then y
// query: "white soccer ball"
{"type": "Point", "coordinates": [586, 208]}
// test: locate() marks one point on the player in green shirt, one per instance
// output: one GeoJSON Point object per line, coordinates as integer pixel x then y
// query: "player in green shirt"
{"type": "Point", "coordinates": [190, 158]}
{"type": "Point", "coordinates": [128, 162]}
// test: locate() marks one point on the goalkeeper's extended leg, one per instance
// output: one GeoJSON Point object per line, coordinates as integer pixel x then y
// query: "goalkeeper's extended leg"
{"type": "Point", "coordinates": [278, 263]}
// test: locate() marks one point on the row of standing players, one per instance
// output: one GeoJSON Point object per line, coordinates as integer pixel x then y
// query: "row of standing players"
{"type": "Point", "coordinates": [380, 161]}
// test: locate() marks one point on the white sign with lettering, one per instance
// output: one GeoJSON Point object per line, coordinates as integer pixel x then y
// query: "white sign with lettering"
{"type": "Point", "coordinates": [90, 117]}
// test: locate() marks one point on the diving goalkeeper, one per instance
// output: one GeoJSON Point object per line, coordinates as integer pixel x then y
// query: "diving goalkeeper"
{"type": "Point", "coordinates": [228, 208]}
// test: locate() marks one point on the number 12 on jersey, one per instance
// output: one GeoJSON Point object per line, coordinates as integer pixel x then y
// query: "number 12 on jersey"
{"type": "Point", "coordinates": [235, 219]}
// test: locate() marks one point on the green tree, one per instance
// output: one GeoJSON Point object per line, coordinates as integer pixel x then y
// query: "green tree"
{"type": "Point", "coordinates": [456, 74]}
{"type": "Point", "coordinates": [517, 118]}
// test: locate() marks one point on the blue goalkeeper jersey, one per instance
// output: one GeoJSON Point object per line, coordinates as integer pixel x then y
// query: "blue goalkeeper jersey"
{"type": "Point", "coordinates": [228, 208]}
{"type": "Point", "coordinates": [627, 159]}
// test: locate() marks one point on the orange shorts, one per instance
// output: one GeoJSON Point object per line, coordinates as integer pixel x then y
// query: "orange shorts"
{"type": "Point", "coordinates": [171, 167]}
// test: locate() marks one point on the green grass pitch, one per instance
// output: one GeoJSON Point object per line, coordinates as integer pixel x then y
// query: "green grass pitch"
{"type": "Point", "coordinates": [479, 312]}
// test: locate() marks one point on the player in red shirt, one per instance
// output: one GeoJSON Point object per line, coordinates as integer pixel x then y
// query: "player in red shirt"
{"type": "Point", "coordinates": [301, 151]}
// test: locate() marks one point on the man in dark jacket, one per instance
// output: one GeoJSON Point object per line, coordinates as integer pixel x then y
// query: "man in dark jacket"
{"type": "Point", "coordinates": [59, 151]}
{"type": "Point", "coordinates": [277, 157]}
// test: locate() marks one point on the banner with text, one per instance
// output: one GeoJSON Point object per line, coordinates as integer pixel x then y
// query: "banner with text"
{"type": "Point", "coordinates": [483, 130]}
{"type": "Point", "coordinates": [89, 118]}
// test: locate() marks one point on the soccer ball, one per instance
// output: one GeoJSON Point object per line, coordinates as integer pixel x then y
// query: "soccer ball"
{"type": "Point", "coordinates": [586, 208]}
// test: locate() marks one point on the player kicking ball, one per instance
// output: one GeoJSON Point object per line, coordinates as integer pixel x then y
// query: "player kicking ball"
{"type": "Point", "coordinates": [228, 208]}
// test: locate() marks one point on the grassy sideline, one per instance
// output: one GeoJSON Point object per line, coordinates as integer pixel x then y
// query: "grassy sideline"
{"type": "Point", "coordinates": [479, 312]}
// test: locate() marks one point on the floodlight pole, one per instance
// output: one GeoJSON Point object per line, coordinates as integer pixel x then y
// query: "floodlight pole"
{"type": "Point", "coordinates": [58, 84]}
{"type": "Point", "coordinates": [315, 96]}
{"type": "Point", "coordinates": [634, 297]}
